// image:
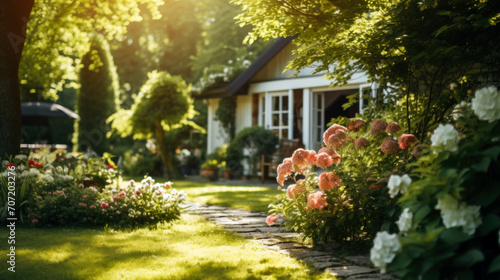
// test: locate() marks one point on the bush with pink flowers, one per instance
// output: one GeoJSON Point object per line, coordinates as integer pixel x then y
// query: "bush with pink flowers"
{"type": "Point", "coordinates": [339, 193]}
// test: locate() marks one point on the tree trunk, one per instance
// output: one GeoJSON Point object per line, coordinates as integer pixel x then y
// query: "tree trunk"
{"type": "Point", "coordinates": [13, 20]}
{"type": "Point", "coordinates": [162, 149]}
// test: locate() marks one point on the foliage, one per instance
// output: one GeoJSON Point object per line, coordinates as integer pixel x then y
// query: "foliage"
{"type": "Point", "coordinates": [257, 141]}
{"type": "Point", "coordinates": [97, 96]}
{"type": "Point", "coordinates": [339, 194]}
{"type": "Point", "coordinates": [226, 115]}
{"type": "Point", "coordinates": [415, 49]}
{"type": "Point", "coordinates": [57, 38]}
{"type": "Point", "coordinates": [453, 228]}
{"type": "Point", "coordinates": [221, 54]}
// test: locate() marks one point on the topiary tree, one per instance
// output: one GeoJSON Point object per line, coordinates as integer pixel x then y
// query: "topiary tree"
{"type": "Point", "coordinates": [96, 99]}
{"type": "Point", "coordinates": [163, 104]}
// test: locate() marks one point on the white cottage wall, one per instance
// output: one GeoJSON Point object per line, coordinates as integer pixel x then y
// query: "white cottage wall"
{"type": "Point", "coordinates": [216, 136]}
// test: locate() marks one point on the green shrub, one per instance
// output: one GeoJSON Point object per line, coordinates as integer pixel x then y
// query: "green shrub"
{"type": "Point", "coordinates": [339, 193]}
{"type": "Point", "coordinates": [258, 139]}
{"type": "Point", "coordinates": [450, 225]}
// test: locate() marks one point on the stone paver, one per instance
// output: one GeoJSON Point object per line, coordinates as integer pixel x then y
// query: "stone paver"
{"type": "Point", "coordinates": [252, 225]}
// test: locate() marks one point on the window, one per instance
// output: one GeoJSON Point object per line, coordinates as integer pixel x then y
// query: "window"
{"type": "Point", "coordinates": [275, 113]}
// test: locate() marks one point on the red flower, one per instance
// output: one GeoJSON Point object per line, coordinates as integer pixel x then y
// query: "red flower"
{"type": "Point", "coordinates": [167, 185]}
{"type": "Point", "coordinates": [104, 205]}
{"type": "Point", "coordinates": [92, 207]}
{"type": "Point", "coordinates": [378, 186]}
{"type": "Point", "coordinates": [406, 140]}
{"type": "Point", "coordinates": [10, 165]}
{"type": "Point", "coordinates": [110, 166]}
{"type": "Point", "coordinates": [122, 193]}
{"type": "Point", "coordinates": [115, 199]}
{"type": "Point", "coordinates": [31, 162]}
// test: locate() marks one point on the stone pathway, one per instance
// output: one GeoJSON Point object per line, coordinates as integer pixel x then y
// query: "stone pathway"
{"type": "Point", "coordinates": [252, 226]}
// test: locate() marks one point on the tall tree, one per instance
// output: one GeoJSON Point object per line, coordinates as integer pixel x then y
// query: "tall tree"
{"type": "Point", "coordinates": [97, 96]}
{"type": "Point", "coordinates": [13, 19]}
{"type": "Point", "coordinates": [51, 48]}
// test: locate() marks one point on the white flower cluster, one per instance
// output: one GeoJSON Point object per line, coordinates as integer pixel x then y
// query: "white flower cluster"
{"type": "Point", "coordinates": [459, 214]}
{"type": "Point", "coordinates": [459, 109]}
{"type": "Point", "coordinates": [33, 172]}
{"type": "Point", "coordinates": [398, 184]}
{"type": "Point", "coordinates": [445, 138]}
{"type": "Point", "coordinates": [405, 220]}
{"type": "Point", "coordinates": [48, 179]}
{"type": "Point", "coordinates": [21, 157]}
{"type": "Point", "coordinates": [486, 104]}
{"type": "Point", "coordinates": [385, 247]}
{"type": "Point", "coordinates": [66, 178]}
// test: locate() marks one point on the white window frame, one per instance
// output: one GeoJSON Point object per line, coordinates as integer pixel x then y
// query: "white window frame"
{"type": "Point", "coordinates": [267, 112]}
{"type": "Point", "coordinates": [316, 143]}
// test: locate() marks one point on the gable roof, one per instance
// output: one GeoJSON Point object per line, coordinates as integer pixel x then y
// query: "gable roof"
{"type": "Point", "coordinates": [239, 85]}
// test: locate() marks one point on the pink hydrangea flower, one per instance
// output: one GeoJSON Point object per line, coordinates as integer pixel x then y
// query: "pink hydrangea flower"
{"type": "Point", "coordinates": [82, 204]}
{"type": "Point", "coordinates": [378, 127]}
{"type": "Point", "coordinates": [406, 140]}
{"type": "Point", "coordinates": [361, 142]}
{"type": "Point", "coordinates": [92, 206]}
{"type": "Point", "coordinates": [115, 199]}
{"type": "Point", "coordinates": [104, 205]}
{"type": "Point", "coordinates": [356, 125]}
{"type": "Point", "coordinates": [392, 127]}
{"type": "Point", "coordinates": [85, 197]}
{"type": "Point", "coordinates": [168, 185]}
{"type": "Point", "coordinates": [34, 221]}
{"type": "Point", "coordinates": [122, 194]}
{"type": "Point", "coordinates": [335, 136]}
{"type": "Point", "coordinates": [132, 182]}
{"type": "Point", "coordinates": [324, 160]}
{"type": "Point", "coordinates": [303, 158]}
{"type": "Point", "coordinates": [49, 193]}
{"type": "Point", "coordinates": [389, 146]}
{"type": "Point", "coordinates": [138, 192]}
{"type": "Point", "coordinates": [316, 200]}
{"type": "Point", "coordinates": [328, 181]}
{"type": "Point", "coordinates": [289, 190]}
{"type": "Point", "coordinates": [284, 169]}
{"type": "Point", "coordinates": [134, 198]}
{"type": "Point", "coordinates": [271, 219]}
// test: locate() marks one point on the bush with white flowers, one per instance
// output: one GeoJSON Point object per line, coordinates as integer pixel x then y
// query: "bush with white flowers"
{"type": "Point", "coordinates": [449, 228]}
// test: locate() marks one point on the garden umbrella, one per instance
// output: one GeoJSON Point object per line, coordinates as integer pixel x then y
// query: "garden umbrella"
{"type": "Point", "coordinates": [38, 113]}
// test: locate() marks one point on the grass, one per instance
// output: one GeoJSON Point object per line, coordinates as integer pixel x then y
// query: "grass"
{"type": "Point", "coordinates": [190, 248]}
{"type": "Point", "coordinates": [251, 198]}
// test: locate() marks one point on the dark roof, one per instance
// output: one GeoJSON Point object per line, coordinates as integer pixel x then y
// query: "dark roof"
{"type": "Point", "coordinates": [239, 85]}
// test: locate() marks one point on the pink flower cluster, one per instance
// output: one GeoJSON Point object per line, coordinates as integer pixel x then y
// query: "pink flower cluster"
{"type": "Point", "coordinates": [316, 200]}
{"type": "Point", "coordinates": [295, 189]}
{"type": "Point", "coordinates": [329, 180]}
{"type": "Point", "coordinates": [271, 219]}
{"type": "Point", "coordinates": [335, 137]}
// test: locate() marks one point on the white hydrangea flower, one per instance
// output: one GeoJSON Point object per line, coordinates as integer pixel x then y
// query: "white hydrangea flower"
{"type": "Point", "coordinates": [385, 247]}
{"type": "Point", "coordinates": [33, 172]}
{"type": "Point", "coordinates": [398, 184]}
{"type": "Point", "coordinates": [486, 104]}
{"type": "Point", "coordinates": [67, 178]}
{"type": "Point", "coordinates": [21, 157]}
{"type": "Point", "coordinates": [48, 179]}
{"type": "Point", "coordinates": [405, 220]}
{"type": "Point", "coordinates": [5, 162]}
{"type": "Point", "coordinates": [445, 138]}
{"type": "Point", "coordinates": [459, 214]}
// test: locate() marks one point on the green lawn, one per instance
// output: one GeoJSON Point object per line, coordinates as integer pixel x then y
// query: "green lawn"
{"type": "Point", "coordinates": [187, 249]}
{"type": "Point", "coordinates": [253, 198]}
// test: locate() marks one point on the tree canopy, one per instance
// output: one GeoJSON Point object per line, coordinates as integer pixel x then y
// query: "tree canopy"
{"type": "Point", "coordinates": [416, 47]}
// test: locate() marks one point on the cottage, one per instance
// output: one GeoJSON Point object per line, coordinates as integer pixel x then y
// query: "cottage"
{"type": "Point", "coordinates": [294, 107]}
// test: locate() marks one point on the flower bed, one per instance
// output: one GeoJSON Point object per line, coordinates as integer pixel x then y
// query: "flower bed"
{"type": "Point", "coordinates": [75, 191]}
